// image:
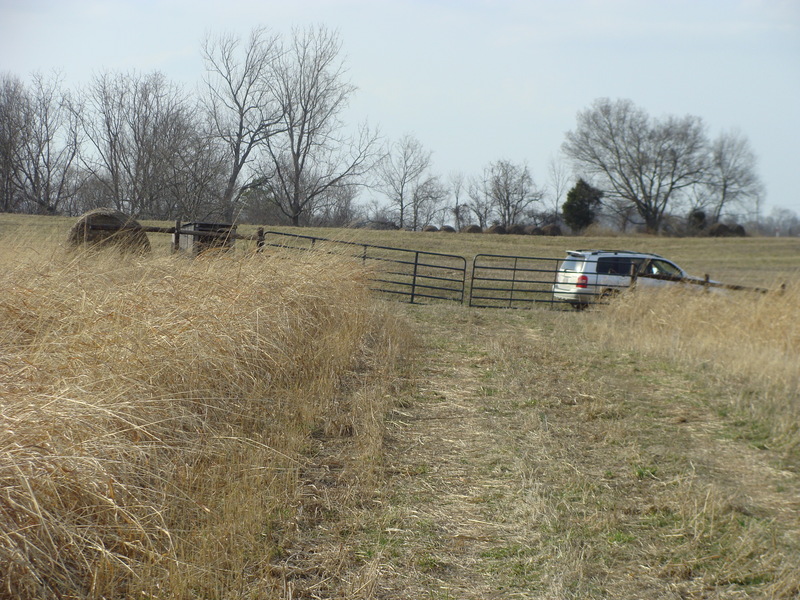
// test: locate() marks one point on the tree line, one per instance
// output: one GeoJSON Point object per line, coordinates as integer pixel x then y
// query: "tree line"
{"type": "Point", "coordinates": [263, 140]}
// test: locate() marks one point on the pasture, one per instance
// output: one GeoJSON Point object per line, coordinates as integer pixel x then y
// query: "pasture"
{"type": "Point", "coordinates": [248, 426]}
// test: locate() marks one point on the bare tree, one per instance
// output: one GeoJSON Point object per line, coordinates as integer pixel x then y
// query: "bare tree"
{"type": "Point", "coordinates": [731, 178]}
{"type": "Point", "coordinates": [505, 191]}
{"type": "Point", "coordinates": [427, 202]}
{"type": "Point", "coordinates": [458, 209]}
{"type": "Point", "coordinates": [781, 222]}
{"type": "Point", "coordinates": [401, 172]}
{"type": "Point", "coordinates": [51, 154]}
{"type": "Point", "coordinates": [196, 174]}
{"type": "Point", "coordinates": [338, 209]}
{"type": "Point", "coordinates": [38, 145]}
{"type": "Point", "coordinates": [636, 159]}
{"type": "Point", "coordinates": [136, 126]}
{"type": "Point", "coordinates": [310, 156]}
{"type": "Point", "coordinates": [242, 110]}
{"type": "Point", "coordinates": [480, 204]}
{"type": "Point", "coordinates": [13, 99]}
{"type": "Point", "coordinates": [559, 181]}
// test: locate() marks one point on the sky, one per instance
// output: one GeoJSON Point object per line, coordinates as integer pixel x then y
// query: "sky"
{"type": "Point", "coordinates": [475, 81]}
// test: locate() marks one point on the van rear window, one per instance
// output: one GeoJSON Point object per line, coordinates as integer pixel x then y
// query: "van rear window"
{"type": "Point", "coordinates": [572, 264]}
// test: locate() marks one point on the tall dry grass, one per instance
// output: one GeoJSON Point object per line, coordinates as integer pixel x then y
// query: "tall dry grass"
{"type": "Point", "coordinates": [156, 412]}
{"type": "Point", "coordinates": [744, 339]}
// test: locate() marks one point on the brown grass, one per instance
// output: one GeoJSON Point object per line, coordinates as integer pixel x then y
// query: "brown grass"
{"type": "Point", "coordinates": [157, 414]}
{"type": "Point", "coordinates": [748, 341]}
{"type": "Point", "coordinates": [230, 427]}
{"type": "Point", "coordinates": [540, 460]}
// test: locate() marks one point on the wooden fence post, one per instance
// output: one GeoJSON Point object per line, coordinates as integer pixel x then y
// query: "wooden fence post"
{"type": "Point", "coordinates": [260, 239]}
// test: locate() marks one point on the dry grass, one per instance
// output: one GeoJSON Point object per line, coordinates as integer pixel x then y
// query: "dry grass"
{"type": "Point", "coordinates": [216, 428]}
{"type": "Point", "coordinates": [747, 341]}
{"type": "Point", "coordinates": [542, 461]}
{"type": "Point", "coordinates": [157, 415]}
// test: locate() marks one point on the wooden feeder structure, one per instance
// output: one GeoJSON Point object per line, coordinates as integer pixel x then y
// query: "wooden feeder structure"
{"type": "Point", "coordinates": [197, 238]}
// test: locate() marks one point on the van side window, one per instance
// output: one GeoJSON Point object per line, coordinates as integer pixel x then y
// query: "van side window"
{"type": "Point", "coordinates": [614, 265]}
{"type": "Point", "coordinates": [662, 267]}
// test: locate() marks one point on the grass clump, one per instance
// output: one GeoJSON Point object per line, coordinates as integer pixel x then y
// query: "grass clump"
{"type": "Point", "coordinates": [159, 417]}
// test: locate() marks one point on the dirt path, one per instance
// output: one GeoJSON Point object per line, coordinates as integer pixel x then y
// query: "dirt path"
{"type": "Point", "coordinates": [526, 469]}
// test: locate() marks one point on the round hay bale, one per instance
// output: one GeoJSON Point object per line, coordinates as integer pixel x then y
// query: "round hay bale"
{"type": "Point", "coordinates": [738, 230]}
{"type": "Point", "coordinates": [551, 230]}
{"type": "Point", "coordinates": [472, 229]}
{"type": "Point", "coordinates": [719, 230]}
{"type": "Point", "coordinates": [430, 228]}
{"type": "Point", "coordinates": [499, 229]}
{"type": "Point", "coordinates": [447, 229]}
{"type": "Point", "coordinates": [516, 229]}
{"type": "Point", "coordinates": [106, 227]}
{"type": "Point", "coordinates": [534, 230]}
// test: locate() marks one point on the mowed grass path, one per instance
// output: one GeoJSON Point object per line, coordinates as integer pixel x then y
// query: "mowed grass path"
{"type": "Point", "coordinates": [532, 462]}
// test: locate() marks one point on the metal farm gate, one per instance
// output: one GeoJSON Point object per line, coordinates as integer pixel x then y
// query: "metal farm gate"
{"type": "Point", "coordinates": [413, 276]}
{"type": "Point", "coordinates": [500, 281]}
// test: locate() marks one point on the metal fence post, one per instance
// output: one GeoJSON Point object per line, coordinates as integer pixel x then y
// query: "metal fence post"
{"type": "Point", "coordinates": [414, 277]}
{"type": "Point", "coordinates": [513, 283]}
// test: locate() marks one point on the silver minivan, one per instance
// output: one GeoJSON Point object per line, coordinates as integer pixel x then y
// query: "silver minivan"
{"type": "Point", "coordinates": [588, 276]}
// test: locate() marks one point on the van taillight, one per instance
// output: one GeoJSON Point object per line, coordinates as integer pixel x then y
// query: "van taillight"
{"type": "Point", "coordinates": [582, 281]}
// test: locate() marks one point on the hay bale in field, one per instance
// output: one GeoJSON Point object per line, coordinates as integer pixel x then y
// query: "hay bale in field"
{"type": "Point", "coordinates": [499, 229]}
{"type": "Point", "coordinates": [448, 229]}
{"type": "Point", "coordinates": [724, 230]}
{"type": "Point", "coordinates": [533, 230]}
{"type": "Point", "coordinates": [738, 230]}
{"type": "Point", "coordinates": [551, 230]}
{"type": "Point", "coordinates": [472, 229]}
{"type": "Point", "coordinates": [430, 228]}
{"type": "Point", "coordinates": [516, 229]}
{"type": "Point", "coordinates": [106, 227]}
{"type": "Point", "coordinates": [719, 230]}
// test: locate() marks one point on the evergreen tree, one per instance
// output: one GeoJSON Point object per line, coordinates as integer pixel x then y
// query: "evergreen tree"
{"type": "Point", "coordinates": [580, 209]}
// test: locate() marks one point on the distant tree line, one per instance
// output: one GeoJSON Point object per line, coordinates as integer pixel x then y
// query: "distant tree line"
{"type": "Point", "coordinates": [649, 169]}
{"type": "Point", "coordinates": [263, 141]}
{"type": "Point", "coordinates": [263, 138]}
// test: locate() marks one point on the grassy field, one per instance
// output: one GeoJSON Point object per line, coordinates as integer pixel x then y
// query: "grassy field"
{"type": "Point", "coordinates": [757, 261]}
{"type": "Point", "coordinates": [261, 427]}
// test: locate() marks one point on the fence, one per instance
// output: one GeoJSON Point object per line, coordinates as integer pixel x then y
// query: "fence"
{"type": "Point", "coordinates": [413, 276]}
{"type": "Point", "coordinates": [416, 276]}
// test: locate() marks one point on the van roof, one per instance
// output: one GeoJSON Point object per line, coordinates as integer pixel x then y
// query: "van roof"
{"type": "Point", "coordinates": [593, 252]}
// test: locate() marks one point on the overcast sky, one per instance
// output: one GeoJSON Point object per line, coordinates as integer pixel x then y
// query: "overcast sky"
{"type": "Point", "coordinates": [474, 80]}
